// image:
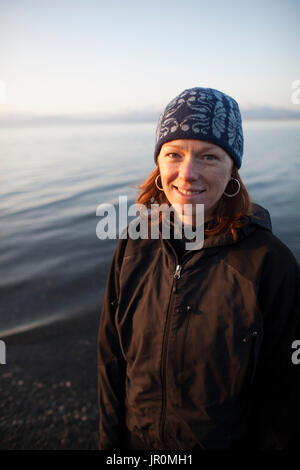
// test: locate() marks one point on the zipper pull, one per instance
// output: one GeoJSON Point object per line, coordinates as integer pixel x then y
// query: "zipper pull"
{"type": "Point", "coordinates": [177, 271]}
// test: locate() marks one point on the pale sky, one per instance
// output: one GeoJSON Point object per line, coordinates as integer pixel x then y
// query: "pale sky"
{"type": "Point", "coordinates": [88, 56]}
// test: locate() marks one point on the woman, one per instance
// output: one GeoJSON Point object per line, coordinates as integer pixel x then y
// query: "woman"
{"type": "Point", "coordinates": [195, 346]}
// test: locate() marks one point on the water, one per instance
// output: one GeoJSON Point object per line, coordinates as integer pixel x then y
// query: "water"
{"type": "Point", "coordinates": [52, 179]}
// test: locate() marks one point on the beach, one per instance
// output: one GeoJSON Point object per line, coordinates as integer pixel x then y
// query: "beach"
{"type": "Point", "coordinates": [48, 397]}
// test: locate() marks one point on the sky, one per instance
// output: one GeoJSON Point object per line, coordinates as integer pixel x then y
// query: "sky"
{"type": "Point", "coordinates": [103, 57]}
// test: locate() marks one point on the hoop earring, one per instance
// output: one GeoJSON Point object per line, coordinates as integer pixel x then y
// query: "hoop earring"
{"type": "Point", "coordinates": [237, 191]}
{"type": "Point", "coordinates": [161, 189]}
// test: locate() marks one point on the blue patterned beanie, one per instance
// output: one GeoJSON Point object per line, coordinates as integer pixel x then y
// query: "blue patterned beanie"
{"type": "Point", "coordinates": [203, 114]}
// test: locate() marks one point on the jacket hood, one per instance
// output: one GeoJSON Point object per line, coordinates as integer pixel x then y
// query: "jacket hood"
{"type": "Point", "coordinates": [261, 217]}
{"type": "Point", "coordinates": [258, 220]}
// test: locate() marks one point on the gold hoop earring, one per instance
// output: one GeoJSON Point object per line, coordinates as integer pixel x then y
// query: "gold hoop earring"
{"type": "Point", "coordinates": [161, 189]}
{"type": "Point", "coordinates": [237, 191]}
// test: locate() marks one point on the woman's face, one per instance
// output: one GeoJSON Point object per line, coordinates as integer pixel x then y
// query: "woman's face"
{"type": "Point", "coordinates": [194, 172]}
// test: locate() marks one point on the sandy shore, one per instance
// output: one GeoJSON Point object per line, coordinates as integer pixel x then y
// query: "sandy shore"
{"type": "Point", "coordinates": [48, 395]}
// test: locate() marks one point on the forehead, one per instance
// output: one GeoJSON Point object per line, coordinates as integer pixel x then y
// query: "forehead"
{"type": "Point", "coordinates": [191, 144]}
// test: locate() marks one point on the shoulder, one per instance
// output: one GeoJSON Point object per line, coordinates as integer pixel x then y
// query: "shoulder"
{"type": "Point", "coordinates": [276, 253]}
{"type": "Point", "coordinates": [261, 255]}
{"type": "Point", "coordinates": [277, 275]}
{"type": "Point", "coordinates": [262, 236]}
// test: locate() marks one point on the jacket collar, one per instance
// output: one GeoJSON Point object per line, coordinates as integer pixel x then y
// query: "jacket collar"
{"type": "Point", "coordinates": [258, 220]}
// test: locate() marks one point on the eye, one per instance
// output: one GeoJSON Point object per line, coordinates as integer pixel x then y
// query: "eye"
{"type": "Point", "coordinates": [172, 155]}
{"type": "Point", "coordinates": [209, 157]}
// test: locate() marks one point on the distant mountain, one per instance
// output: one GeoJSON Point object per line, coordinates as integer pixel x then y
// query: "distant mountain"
{"type": "Point", "coordinates": [265, 112]}
{"type": "Point", "coordinates": [16, 119]}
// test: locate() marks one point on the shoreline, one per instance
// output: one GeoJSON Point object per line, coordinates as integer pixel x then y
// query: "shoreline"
{"type": "Point", "coordinates": [48, 397]}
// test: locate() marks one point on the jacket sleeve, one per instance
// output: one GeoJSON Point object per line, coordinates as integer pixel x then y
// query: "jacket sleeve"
{"type": "Point", "coordinates": [111, 363]}
{"type": "Point", "coordinates": [276, 387]}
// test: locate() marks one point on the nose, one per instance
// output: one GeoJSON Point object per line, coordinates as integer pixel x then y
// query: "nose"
{"type": "Point", "coordinates": [188, 169]}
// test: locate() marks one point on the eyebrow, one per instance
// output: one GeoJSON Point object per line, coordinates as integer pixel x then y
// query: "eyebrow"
{"type": "Point", "coordinates": [184, 148]}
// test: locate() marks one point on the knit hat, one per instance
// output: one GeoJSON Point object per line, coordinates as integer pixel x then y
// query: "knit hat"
{"type": "Point", "coordinates": [203, 114]}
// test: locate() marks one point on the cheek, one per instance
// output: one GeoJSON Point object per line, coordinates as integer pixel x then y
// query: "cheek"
{"type": "Point", "coordinates": [162, 169]}
{"type": "Point", "coordinates": [219, 180]}
{"type": "Point", "coordinates": [167, 176]}
{"type": "Point", "coordinates": [163, 177]}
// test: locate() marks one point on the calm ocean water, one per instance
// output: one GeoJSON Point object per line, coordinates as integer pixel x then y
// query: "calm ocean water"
{"type": "Point", "coordinates": [52, 179]}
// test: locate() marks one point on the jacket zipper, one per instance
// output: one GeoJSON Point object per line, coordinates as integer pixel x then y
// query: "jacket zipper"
{"type": "Point", "coordinates": [178, 271]}
{"type": "Point", "coordinates": [176, 276]}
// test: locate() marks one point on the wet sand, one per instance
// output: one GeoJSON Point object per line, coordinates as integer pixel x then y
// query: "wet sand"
{"type": "Point", "coordinates": [48, 393]}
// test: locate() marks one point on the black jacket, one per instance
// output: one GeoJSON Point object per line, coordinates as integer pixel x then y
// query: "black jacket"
{"type": "Point", "coordinates": [195, 353]}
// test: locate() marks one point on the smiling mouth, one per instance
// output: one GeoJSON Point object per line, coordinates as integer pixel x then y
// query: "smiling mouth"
{"type": "Point", "coordinates": [189, 192]}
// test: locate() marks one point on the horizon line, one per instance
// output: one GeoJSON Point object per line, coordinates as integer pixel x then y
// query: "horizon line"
{"type": "Point", "coordinates": [15, 117]}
